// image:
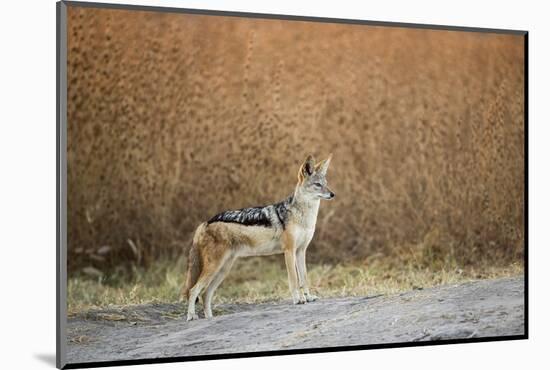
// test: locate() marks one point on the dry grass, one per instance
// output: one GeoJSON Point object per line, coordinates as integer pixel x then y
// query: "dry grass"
{"type": "Point", "coordinates": [173, 118]}
{"type": "Point", "coordinates": [258, 279]}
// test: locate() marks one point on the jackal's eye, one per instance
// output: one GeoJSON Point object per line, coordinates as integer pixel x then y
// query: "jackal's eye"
{"type": "Point", "coordinates": [317, 184]}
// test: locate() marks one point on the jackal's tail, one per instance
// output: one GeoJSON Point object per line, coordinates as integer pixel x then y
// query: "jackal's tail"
{"type": "Point", "coordinates": [194, 265]}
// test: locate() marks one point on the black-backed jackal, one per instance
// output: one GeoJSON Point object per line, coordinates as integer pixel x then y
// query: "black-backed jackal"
{"type": "Point", "coordinates": [285, 227]}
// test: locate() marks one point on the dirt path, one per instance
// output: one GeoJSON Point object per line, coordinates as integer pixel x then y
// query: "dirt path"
{"type": "Point", "coordinates": [477, 309]}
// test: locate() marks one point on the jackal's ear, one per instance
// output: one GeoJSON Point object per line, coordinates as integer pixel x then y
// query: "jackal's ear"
{"type": "Point", "coordinates": [322, 166]}
{"type": "Point", "coordinates": [307, 168]}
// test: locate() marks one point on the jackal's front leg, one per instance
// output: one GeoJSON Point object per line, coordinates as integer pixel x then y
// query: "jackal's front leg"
{"type": "Point", "coordinates": [302, 274]}
{"type": "Point", "coordinates": [290, 259]}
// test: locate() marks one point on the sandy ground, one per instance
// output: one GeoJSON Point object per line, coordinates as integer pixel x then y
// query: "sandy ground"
{"type": "Point", "coordinates": [477, 309]}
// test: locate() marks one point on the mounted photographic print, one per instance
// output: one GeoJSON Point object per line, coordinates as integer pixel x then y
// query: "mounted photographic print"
{"type": "Point", "coordinates": [235, 184]}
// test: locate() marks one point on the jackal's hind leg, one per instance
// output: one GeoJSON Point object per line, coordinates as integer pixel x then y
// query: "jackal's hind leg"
{"type": "Point", "coordinates": [207, 275]}
{"type": "Point", "coordinates": [208, 293]}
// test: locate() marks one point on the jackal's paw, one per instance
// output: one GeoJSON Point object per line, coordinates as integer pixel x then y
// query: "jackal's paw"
{"type": "Point", "coordinates": [299, 300]}
{"type": "Point", "coordinates": [193, 316]}
{"type": "Point", "coordinates": [311, 298]}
